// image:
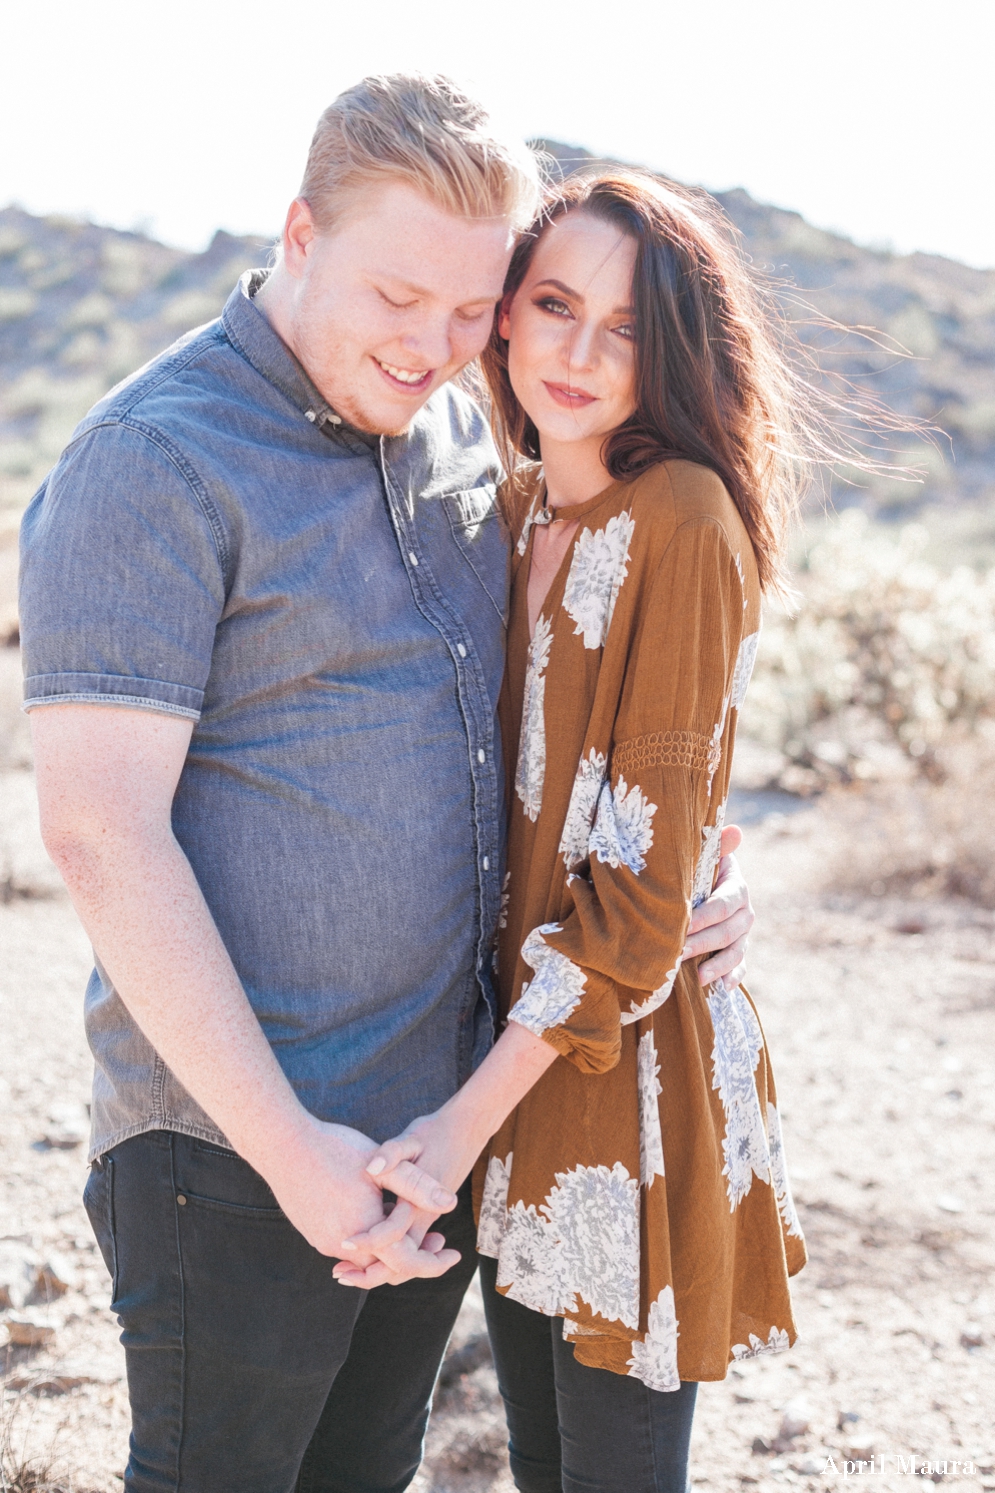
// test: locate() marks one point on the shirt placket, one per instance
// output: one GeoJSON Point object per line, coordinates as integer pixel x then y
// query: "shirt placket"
{"type": "Point", "coordinates": [475, 710]}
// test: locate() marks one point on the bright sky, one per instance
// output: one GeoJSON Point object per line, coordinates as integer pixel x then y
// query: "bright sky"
{"type": "Point", "coordinates": [874, 117]}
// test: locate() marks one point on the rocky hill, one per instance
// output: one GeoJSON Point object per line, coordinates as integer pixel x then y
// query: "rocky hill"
{"type": "Point", "coordinates": [81, 306]}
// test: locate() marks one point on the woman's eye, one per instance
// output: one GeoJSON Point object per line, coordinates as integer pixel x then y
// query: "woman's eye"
{"type": "Point", "coordinates": [626, 330]}
{"type": "Point", "coordinates": [553, 304]}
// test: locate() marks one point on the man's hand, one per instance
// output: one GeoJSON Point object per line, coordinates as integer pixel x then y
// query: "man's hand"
{"type": "Point", "coordinates": [725, 920]}
{"type": "Point", "coordinates": [323, 1186]}
{"type": "Point", "coordinates": [106, 779]}
{"type": "Point", "coordinates": [442, 1147]}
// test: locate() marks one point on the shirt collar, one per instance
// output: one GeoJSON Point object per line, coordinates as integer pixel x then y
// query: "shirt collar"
{"type": "Point", "coordinates": [250, 331]}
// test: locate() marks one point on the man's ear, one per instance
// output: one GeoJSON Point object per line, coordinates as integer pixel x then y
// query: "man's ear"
{"type": "Point", "coordinates": [504, 317]}
{"type": "Point", "coordinates": [299, 234]}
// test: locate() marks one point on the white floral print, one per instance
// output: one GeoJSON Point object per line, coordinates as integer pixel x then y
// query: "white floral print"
{"type": "Point", "coordinates": [704, 874]}
{"type": "Point", "coordinates": [654, 1360]}
{"type": "Point", "coordinates": [583, 1241]}
{"type": "Point", "coordinates": [779, 1174]}
{"type": "Point", "coordinates": [743, 672]}
{"type": "Point", "coordinates": [523, 538]}
{"type": "Point", "coordinates": [777, 1342]}
{"type": "Point", "coordinates": [652, 1002]}
{"type": "Point", "coordinates": [594, 1218]}
{"type": "Point", "coordinates": [531, 770]}
{"type": "Point", "coordinates": [494, 1205]}
{"type": "Point", "coordinates": [580, 811]}
{"type": "Point", "coordinates": [738, 1044]}
{"type": "Point", "coordinates": [598, 568]}
{"type": "Point", "coordinates": [650, 1134]}
{"type": "Point", "coordinates": [556, 990]}
{"type": "Point", "coordinates": [529, 1264]}
{"type": "Point", "coordinates": [623, 829]}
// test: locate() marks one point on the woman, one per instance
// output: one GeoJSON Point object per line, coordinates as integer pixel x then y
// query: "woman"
{"type": "Point", "coordinates": [635, 1223]}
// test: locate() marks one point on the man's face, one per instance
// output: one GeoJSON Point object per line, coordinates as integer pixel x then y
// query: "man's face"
{"type": "Point", "coordinates": [392, 301]}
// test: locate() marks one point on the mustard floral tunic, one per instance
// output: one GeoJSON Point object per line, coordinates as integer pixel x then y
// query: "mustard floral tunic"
{"type": "Point", "coordinates": [639, 1190]}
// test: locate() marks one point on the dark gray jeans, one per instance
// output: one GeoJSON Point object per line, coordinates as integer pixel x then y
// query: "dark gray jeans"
{"type": "Point", "coordinates": [574, 1429]}
{"type": "Point", "coordinates": [250, 1369]}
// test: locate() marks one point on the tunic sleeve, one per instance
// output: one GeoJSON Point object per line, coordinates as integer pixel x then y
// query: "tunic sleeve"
{"type": "Point", "coordinates": [652, 834]}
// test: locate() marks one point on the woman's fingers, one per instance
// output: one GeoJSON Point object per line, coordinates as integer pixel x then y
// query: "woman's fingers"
{"type": "Point", "coordinates": [403, 1148]}
{"type": "Point", "coordinates": [417, 1187]}
{"type": "Point", "coordinates": [393, 1169]}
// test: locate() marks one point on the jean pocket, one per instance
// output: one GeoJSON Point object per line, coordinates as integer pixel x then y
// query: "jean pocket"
{"type": "Point", "coordinates": [98, 1200]}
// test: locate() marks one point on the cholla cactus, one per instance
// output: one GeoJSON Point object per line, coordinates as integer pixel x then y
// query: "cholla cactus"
{"type": "Point", "coordinates": [883, 648]}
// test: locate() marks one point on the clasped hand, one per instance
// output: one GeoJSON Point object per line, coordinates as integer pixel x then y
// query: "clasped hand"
{"type": "Point", "coordinates": [403, 1243]}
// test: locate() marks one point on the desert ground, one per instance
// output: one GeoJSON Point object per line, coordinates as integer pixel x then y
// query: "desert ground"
{"type": "Point", "coordinates": [880, 1013]}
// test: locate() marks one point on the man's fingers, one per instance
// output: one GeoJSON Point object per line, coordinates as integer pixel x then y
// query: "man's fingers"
{"type": "Point", "coordinates": [719, 935]}
{"type": "Point", "coordinates": [417, 1187]}
{"type": "Point", "coordinates": [730, 840]}
{"type": "Point", "coordinates": [389, 1230]}
{"type": "Point", "coordinates": [727, 965]}
{"type": "Point", "coordinates": [402, 1264]}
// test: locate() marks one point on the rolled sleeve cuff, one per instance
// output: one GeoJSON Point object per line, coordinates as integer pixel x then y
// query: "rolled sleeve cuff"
{"type": "Point", "coordinates": [113, 689]}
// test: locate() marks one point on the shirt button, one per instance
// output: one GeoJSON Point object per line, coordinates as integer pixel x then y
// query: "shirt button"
{"type": "Point", "coordinates": [461, 650]}
{"type": "Point", "coordinates": [481, 756]}
{"type": "Point", "coordinates": [487, 863]}
{"type": "Point", "coordinates": [412, 557]}
{"type": "Point", "coordinates": [310, 415]}
{"type": "Point", "coordinates": [180, 1199]}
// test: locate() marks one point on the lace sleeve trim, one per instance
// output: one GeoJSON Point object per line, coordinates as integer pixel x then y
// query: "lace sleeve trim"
{"type": "Point", "coordinates": [690, 749]}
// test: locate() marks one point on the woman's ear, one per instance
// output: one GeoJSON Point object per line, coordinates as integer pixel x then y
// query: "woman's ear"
{"type": "Point", "coordinates": [504, 317]}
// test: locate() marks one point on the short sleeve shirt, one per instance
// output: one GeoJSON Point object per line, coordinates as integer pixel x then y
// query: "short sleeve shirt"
{"type": "Point", "coordinates": [327, 609]}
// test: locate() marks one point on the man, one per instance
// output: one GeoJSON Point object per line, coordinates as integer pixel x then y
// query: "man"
{"type": "Point", "coordinates": [275, 549]}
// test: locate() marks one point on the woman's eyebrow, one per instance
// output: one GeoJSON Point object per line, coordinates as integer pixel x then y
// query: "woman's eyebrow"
{"type": "Point", "coordinates": [576, 295]}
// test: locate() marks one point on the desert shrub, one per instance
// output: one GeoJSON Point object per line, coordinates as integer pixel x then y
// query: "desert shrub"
{"type": "Point", "coordinates": [919, 838]}
{"type": "Point", "coordinates": [885, 655]}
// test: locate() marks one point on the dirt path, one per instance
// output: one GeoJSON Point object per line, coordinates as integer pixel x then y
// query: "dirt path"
{"type": "Point", "coordinates": [883, 1049]}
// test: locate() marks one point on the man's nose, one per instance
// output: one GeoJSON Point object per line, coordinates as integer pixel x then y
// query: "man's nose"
{"type": "Point", "coordinates": [431, 344]}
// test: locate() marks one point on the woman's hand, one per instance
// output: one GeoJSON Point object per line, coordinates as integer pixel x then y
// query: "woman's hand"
{"type": "Point", "coordinates": [441, 1149]}
{"type": "Point", "coordinates": [445, 1151]}
{"type": "Point", "coordinates": [724, 921]}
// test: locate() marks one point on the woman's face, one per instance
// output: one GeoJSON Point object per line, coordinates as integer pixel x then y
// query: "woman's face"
{"type": "Point", "coordinates": [570, 329]}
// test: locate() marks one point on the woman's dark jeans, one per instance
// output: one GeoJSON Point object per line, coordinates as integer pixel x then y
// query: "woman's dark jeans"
{"type": "Point", "coordinates": [250, 1369]}
{"type": "Point", "coordinates": [574, 1429]}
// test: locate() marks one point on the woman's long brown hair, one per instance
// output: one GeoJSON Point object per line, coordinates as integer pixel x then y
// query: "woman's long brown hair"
{"type": "Point", "coordinates": [713, 382]}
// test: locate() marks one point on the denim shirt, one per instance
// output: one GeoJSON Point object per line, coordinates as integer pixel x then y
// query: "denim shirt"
{"type": "Point", "coordinates": [328, 609]}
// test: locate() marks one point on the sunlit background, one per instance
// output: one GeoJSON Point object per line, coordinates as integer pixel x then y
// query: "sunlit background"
{"type": "Point", "coordinates": [875, 118]}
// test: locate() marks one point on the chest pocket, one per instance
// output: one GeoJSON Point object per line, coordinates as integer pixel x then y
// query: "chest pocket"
{"type": "Point", "coordinates": [479, 532]}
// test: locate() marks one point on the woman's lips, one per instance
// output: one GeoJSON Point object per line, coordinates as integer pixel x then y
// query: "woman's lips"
{"type": "Point", "coordinates": [567, 398]}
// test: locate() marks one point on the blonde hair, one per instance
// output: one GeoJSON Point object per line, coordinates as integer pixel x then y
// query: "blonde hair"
{"type": "Point", "coordinates": [425, 132]}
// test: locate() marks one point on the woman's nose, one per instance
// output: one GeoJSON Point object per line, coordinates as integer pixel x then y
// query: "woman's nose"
{"type": "Point", "coordinates": [582, 346]}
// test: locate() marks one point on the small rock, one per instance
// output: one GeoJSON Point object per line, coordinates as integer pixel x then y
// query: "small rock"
{"type": "Point", "coordinates": [56, 1276]}
{"type": "Point", "coordinates": [860, 1445]}
{"type": "Point", "coordinates": [761, 1446]}
{"type": "Point", "coordinates": [971, 1336]}
{"type": "Point", "coordinates": [815, 1462]}
{"type": "Point", "coordinates": [796, 1418]}
{"type": "Point", "coordinates": [846, 1418]}
{"type": "Point", "coordinates": [949, 1204]}
{"type": "Point", "coordinates": [27, 1331]}
{"type": "Point", "coordinates": [18, 1273]}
